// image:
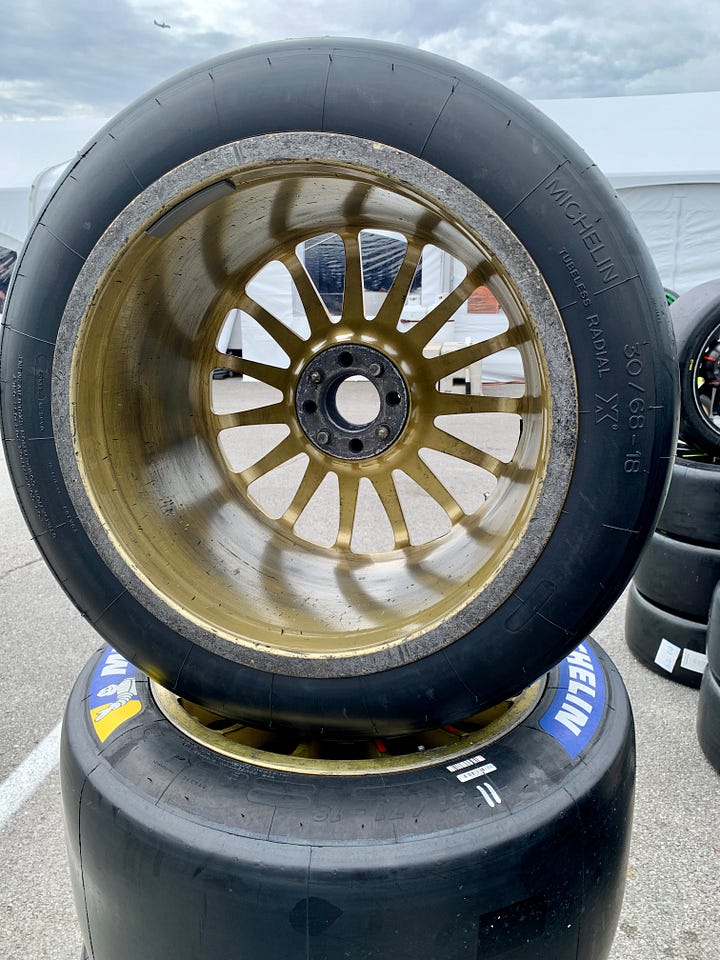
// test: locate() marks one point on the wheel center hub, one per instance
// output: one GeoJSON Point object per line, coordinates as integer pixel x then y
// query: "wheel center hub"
{"type": "Point", "coordinates": [711, 365]}
{"type": "Point", "coordinates": [343, 429]}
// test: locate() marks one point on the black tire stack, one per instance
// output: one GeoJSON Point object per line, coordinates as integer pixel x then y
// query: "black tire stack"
{"type": "Point", "coordinates": [669, 601]}
{"type": "Point", "coordinates": [447, 779]}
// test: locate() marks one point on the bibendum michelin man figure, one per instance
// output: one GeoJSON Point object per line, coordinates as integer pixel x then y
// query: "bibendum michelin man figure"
{"type": "Point", "coordinates": [124, 692]}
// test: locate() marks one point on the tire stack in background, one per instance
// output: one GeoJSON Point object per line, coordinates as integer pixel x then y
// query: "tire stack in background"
{"type": "Point", "coordinates": [669, 601]}
{"type": "Point", "coordinates": [415, 752]}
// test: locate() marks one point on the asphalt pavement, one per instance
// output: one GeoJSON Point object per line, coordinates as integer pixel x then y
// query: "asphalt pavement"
{"type": "Point", "coordinates": [671, 908]}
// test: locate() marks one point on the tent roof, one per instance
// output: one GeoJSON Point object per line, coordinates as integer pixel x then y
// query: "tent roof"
{"type": "Point", "coordinates": [665, 138]}
{"type": "Point", "coordinates": [29, 146]}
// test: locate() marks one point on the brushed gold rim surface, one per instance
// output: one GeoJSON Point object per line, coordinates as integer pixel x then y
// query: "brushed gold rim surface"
{"type": "Point", "coordinates": [147, 424]}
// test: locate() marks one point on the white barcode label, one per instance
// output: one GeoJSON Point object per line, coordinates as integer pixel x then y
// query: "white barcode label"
{"type": "Point", "coordinates": [693, 660]}
{"type": "Point", "coordinates": [667, 655]}
{"type": "Point", "coordinates": [477, 772]}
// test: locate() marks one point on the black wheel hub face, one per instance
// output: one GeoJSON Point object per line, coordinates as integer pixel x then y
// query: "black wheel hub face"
{"type": "Point", "coordinates": [710, 368]}
{"type": "Point", "coordinates": [335, 432]}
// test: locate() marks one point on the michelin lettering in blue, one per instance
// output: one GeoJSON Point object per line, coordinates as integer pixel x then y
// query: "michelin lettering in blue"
{"type": "Point", "coordinates": [578, 705]}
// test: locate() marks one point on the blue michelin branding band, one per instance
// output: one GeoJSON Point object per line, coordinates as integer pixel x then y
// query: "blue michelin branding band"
{"type": "Point", "coordinates": [578, 705]}
{"type": "Point", "coordinates": [112, 697]}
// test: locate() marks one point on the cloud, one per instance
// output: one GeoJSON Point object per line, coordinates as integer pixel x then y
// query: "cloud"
{"type": "Point", "coordinates": [74, 57]}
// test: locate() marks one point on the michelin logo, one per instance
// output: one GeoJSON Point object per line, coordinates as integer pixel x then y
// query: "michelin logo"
{"type": "Point", "coordinates": [113, 698]}
{"type": "Point", "coordinates": [579, 704]}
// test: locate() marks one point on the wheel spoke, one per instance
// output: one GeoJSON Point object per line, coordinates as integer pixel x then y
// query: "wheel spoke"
{"type": "Point", "coordinates": [389, 312]}
{"type": "Point", "coordinates": [285, 338]}
{"type": "Point", "coordinates": [385, 489]}
{"type": "Point", "coordinates": [274, 376]}
{"type": "Point", "coordinates": [312, 478]}
{"type": "Point", "coordinates": [456, 403]}
{"type": "Point", "coordinates": [353, 300]}
{"type": "Point", "coordinates": [447, 363]}
{"type": "Point", "coordinates": [424, 330]}
{"type": "Point", "coordinates": [273, 413]}
{"type": "Point", "coordinates": [424, 478]}
{"type": "Point", "coordinates": [315, 310]}
{"type": "Point", "coordinates": [454, 447]}
{"type": "Point", "coordinates": [284, 451]}
{"type": "Point", "coordinates": [348, 492]}
{"type": "Point", "coordinates": [713, 398]}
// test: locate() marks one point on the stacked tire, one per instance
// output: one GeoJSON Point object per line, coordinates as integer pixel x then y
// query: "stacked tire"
{"type": "Point", "coordinates": [708, 719]}
{"type": "Point", "coordinates": [444, 845]}
{"type": "Point", "coordinates": [669, 601]}
{"type": "Point", "coordinates": [402, 747]}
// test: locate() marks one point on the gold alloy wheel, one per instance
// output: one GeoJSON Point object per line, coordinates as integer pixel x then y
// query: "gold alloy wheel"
{"type": "Point", "coordinates": [337, 502]}
{"type": "Point", "coordinates": [296, 752]}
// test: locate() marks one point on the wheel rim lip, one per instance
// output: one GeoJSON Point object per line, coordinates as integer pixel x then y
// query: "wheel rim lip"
{"type": "Point", "coordinates": [186, 718]}
{"type": "Point", "coordinates": [416, 642]}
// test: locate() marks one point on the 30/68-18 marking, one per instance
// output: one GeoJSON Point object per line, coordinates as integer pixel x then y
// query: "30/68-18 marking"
{"type": "Point", "coordinates": [636, 406]}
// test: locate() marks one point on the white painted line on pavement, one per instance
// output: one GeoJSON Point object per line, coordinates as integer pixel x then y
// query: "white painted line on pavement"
{"type": "Point", "coordinates": [26, 778]}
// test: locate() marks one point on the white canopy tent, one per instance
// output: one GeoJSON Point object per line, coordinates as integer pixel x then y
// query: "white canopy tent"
{"type": "Point", "coordinates": [662, 155]}
{"type": "Point", "coordinates": [33, 154]}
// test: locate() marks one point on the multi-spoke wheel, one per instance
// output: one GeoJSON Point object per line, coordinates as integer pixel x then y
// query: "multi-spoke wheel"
{"type": "Point", "coordinates": [696, 316]}
{"type": "Point", "coordinates": [362, 529]}
{"type": "Point", "coordinates": [359, 403]}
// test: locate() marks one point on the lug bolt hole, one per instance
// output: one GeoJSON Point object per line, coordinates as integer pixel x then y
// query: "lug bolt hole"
{"type": "Point", "coordinates": [345, 359]}
{"type": "Point", "coordinates": [356, 445]}
{"type": "Point", "coordinates": [310, 406]}
{"type": "Point", "coordinates": [393, 398]}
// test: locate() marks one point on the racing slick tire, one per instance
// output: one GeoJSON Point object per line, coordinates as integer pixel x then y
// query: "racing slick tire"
{"type": "Point", "coordinates": [678, 575]}
{"type": "Point", "coordinates": [692, 507]}
{"type": "Point", "coordinates": [713, 632]}
{"type": "Point", "coordinates": [708, 718]}
{"type": "Point", "coordinates": [119, 450]}
{"type": "Point", "coordinates": [666, 642]}
{"type": "Point", "coordinates": [505, 835]}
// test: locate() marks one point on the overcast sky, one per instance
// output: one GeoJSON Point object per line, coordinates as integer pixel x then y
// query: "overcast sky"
{"type": "Point", "coordinates": [92, 57]}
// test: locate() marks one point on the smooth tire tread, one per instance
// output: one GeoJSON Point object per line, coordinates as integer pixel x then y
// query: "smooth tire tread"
{"type": "Point", "coordinates": [667, 643]}
{"type": "Point", "coordinates": [692, 507]}
{"type": "Point", "coordinates": [177, 851]}
{"type": "Point", "coordinates": [708, 718]}
{"type": "Point", "coordinates": [713, 632]}
{"type": "Point", "coordinates": [679, 576]}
